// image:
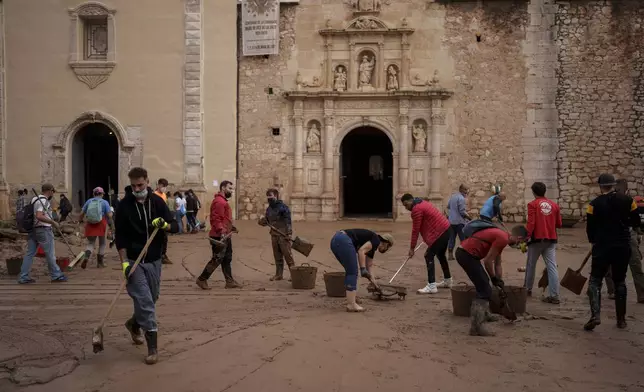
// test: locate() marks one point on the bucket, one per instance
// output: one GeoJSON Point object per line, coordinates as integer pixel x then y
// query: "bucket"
{"type": "Point", "coordinates": [517, 298]}
{"type": "Point", "coordinates": [303, 277]}
{"type": "Point", "coordinates": [63, 262]}
{"type": "Point", "coordinates": [334, 282]}
{"type": "Point", "coordinates": [13, 265]}
{"type": "Point", "coordinates": [462, 297]}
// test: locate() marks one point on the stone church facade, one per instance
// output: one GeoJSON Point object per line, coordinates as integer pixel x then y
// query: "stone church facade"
{"type": "Point", "coordinates": [474, 92]}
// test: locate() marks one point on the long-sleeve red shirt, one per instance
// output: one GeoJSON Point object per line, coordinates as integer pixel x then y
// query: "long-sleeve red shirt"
{"type": "Point", "coordinates": [427, 221]}
{"type": "Point", "coordinates": [221, 216]}
{"type": "Point", "coordinates": [544, 218]}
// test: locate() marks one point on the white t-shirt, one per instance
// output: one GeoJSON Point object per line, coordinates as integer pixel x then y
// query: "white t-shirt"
{"type": "Point", "coordinates": [38, 207]}
{"type": "Point", "coordinates": [178, 203]}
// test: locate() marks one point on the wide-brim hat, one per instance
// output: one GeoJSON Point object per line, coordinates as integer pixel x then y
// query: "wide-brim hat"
{"type": "Point", "coordinates": [606, 179]}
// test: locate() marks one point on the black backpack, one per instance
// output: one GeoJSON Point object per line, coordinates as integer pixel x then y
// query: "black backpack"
{"type": "Point", "coordinates": [27, 216]}
{"type": "Point", "coordinates": [475, 226]}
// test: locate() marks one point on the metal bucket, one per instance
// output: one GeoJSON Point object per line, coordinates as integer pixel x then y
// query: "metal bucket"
{"type": "Point", "coordinates": [302, 246]}
{"type": "Point", "coordinates": [334, 282]}
{"type": "Point", "coordinates": [462, 297]}
{"type": "Point", "coordinates": [303, 277]}
{"type": "Point", "coordinates": [517, 298]}
{"type": "Point", "coordinates": [13, 265]}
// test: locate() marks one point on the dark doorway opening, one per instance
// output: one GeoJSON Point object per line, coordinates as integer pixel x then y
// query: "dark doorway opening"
{"type": "Point", "coordinates": [95, 162]}
{"type": "Point", "coordinates": [367, 173]}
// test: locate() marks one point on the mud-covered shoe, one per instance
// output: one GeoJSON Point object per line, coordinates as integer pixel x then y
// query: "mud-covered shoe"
{"type": "Point", "coordinates": [478, 312]}
{"type": "Point", "coordinates": [621, 324]}
{"type": "Point", "coordinates": [165, 260]}
{"type": "Point", "coordinates": [100, 261]}
{"type": "Point", "coordinates": [276, 277]}
{"type": "Point", "coordinates": [203, 284]}
{"type": "Point", "coordinates": [429, 289]}
{"type": "Point", "coordinates": [151, 339]}
{"type": "Point", "coordinates": [592, 323]}
{"type": "Point", "coordinates": [491, 317]}
{"type": "Point", "coordinates": [445, 284]}
{"type": "Point", "coordinates": [232, 284]}
{"type": "Point", "coordinates": [88, 254]}
{"type": "Point", "coordinates": [135, 332]}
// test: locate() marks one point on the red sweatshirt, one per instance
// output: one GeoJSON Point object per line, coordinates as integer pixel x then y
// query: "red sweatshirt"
{"type": "Point", "coordinates": [544, 218]}
{"type": "Point", "coordinates": [428, 221]}
{"type": "Point", "coordinates": [221, 216]}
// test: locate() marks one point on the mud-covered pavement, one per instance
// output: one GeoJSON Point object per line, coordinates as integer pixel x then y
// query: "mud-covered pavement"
{"type": "Point", "coordinates": [269, 337]}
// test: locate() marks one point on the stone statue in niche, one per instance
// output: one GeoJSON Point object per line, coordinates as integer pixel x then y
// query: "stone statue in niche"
{"type": "Point", "coordinates": [366, 70]}
{"type": "Point", "coordinates": [340, 79]}
{"type": "Point", "coordinates": [420, 138]}
{"type": "Point", "coordinates": [392, 78]}
{"type": "Point", "coordinates": [313, 139]}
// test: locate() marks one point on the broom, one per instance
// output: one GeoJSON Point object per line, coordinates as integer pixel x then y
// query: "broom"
{"type": "Point", "coordinates": [97, 336]}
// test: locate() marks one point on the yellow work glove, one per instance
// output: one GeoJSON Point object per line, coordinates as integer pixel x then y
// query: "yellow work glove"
{"type": "Point", "coordinates": [160, 223]}
{"type": "Point", "coordinates": [126, 269]}
{"type": "Point", "coordinates": [524, 247]}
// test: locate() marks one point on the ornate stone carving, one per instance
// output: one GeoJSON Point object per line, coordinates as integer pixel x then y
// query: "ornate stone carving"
{"type": "Point", "coordinates": [91, 8]}
{"type": "Point", "coordinates": [313, 139]}
{"type": "Point", "coordinates": [420, 82]}
{"type": "Point", "coordinates": [366, 104]}
{"type": "Point", "coordinates": [328, 105]}
{"type": "Point", "coordinates": [341, 121]}
{"type": "Point", "coordinates": [359, 6]}
{"type": "Point", "coordinates": [438, 117]}
{"type": "Point", "coordinates": [420, 137]}
{"type": "Point", "coordinates": [92, 73]}
{"type": "Point", "coordinates": [392, 78]}
{"type": "Point", "coordinates": [301, 82]}
{"type": "Point", "coordinates": [366, 70]}
{"type": "Point", "coordinates": [340, 78]}
{"type": "Point", "coordinates": [420, 104]}
{"type": "Point", "coordinates": [367, 23]}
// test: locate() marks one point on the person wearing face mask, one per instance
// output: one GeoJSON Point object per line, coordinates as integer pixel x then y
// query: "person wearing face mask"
{"type": "Point", "coordinates": [278, 215]}
{"type": "Point", "coordinates": [162, 192]}
{"type": "Point", "coordinates": [138, 214]}
{"type": "Point", "coordinates": [221, 222]}
{"type": "Point", "coordinates": [42, 235]}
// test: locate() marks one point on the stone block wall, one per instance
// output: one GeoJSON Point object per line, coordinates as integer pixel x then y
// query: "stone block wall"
{"type": "Point", "coordinates": [600, 97]}
{"type": "Point", "coordinates": [489, 103]}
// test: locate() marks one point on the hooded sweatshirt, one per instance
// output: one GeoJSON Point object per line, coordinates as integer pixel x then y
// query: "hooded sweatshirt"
{"type": "Point", "coordinates": [133, 225]}
{"type": "Point", "coordinates": [278, 215]}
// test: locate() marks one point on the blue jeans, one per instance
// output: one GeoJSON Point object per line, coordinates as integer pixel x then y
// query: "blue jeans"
{"type": "Point", "coordinates": [456, 230]}
{"type": "Point", "coordinates": [547, 251]}
{"type": "Point", "coordinates": [179, 217]}
{"type": "Point", "coordinates": [43, 236]}
{"type": "Point", "coordinates": [344, 250]}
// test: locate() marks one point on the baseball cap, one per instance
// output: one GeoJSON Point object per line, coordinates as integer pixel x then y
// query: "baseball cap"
{"type": "Point", "coordinates": [47, 187]}
{"type": "Point", "coordinates": [98, 190]}
{"type": "Point", "coordinates": [606, 179]}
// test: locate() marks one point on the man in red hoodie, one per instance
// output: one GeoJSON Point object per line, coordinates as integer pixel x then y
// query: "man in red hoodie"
{"type": "Point", "coordinates": [544, 218]}
{"type": "Point", "coordinates": [221, 223]}
{"type": "Point", "coordinates": [432, 225]}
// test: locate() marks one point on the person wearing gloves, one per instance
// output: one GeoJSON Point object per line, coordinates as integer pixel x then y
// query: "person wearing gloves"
{"type": "Point", "coordinates": [356, 248]}
{"type": "Point", "coordinates": [138, 214]}
{"type": "Point", "coordinates": [278, 215]}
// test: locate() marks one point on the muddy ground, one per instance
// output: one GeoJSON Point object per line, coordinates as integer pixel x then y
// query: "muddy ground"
{"type": "Point", "coordinates": [269, 337]}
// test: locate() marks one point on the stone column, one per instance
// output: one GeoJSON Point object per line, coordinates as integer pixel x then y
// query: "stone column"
{"type": "Point", "coordinates": [351, 77]}
{"type": "Point", "coordinates": [298, 170]}
{"type": "Point", "coordinates": [5, 210]}
{"type": "Point", "coordinates": [328, 80]}
{"type": "Point", "coordinates": [403, 155]}
{"type": "Point", "coordinates": [438, 120]}
{"type": "Point", "coordinates": [382, 81]}
{"type": "Point", "coordinates": [404, 66]}
{"type": "Point", "coordinates": [328, 147]}
{"type": "Point", "coordinates": [192, 99]}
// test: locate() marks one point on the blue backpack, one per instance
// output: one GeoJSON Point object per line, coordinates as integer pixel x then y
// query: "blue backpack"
{"type": "Point", "coordinates": [94, 212]}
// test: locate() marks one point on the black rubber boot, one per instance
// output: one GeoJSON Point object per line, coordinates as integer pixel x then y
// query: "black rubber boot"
{"type": "Point", "coordinates": [279, 272]}
{"type": "Point", "coordinates": [135, 331]}
{"type": "Point", "coordinates": [100, 261]}
{"type": "Point", "coordinates": [620, 305]}
{"type": "Point", "coordinates": [88, 254]}
{"type": "Point", "coordinates": [595, 300]}
{"type": "Point", "coordinates": [151, 339]}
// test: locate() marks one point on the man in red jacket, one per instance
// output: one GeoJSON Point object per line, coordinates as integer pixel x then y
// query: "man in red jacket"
{"type": "Point", "coordinates": [432, 225]}
{"type": "Point", "coordinates": [221, 223]}
{"type": "Point", "coordinates": [544, 218]}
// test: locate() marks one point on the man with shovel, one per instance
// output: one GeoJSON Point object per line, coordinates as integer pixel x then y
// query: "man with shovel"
{"type": "Point", "coordinates": [138, 214]}
{"type": "Point", "coordinates": [278, 216]}
{"type": "Point", "coordinates": [221, 222]}
{"type": "Point", "coordinates": [609, 219]}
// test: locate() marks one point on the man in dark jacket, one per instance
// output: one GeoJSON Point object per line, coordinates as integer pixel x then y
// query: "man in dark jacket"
{"type": "Point", "coordinates": [138, 214]}
{"type": "Point", "coordinates": [191, 211]}
{"type": "Point", "coordinates": [609, 217]}
{"type": "Point", "coordinates": [278, 215]}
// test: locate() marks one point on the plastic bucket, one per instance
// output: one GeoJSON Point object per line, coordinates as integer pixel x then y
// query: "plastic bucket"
{"type": "Point", "coordinates": [334, 282]}
{"type": "Point", "coordinates": [63, 262]}
{"type": "Point", "coordinates": [303, 277]}
{"type": "Point", "coordinates": [13, 265]}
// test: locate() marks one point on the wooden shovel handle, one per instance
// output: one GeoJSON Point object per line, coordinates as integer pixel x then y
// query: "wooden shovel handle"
{"type": "Point", "coordinates": [279, 232]}
{"type": "Point", "coordinates": [583, 264]}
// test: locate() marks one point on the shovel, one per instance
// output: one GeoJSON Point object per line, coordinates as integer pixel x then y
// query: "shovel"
{"type": "Point", "coordinates": [574, 280]}
{"type": "Point", "coordinates": [298, 244]}
{"type": "Point", "coordinates": [506, 311]}
{"type": "Point", "coordinates": [543, 282]}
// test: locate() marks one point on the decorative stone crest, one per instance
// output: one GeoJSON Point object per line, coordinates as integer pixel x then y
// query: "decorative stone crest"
{"type": "Point", "coordinates": [367, 23]}
{"type": "Point", "coordinates": [362, 6]}
{"type": "Point", "coordinates": [258, 7]}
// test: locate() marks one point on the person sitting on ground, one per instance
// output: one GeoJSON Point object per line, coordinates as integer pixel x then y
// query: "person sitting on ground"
{"type": "Point", "coordinates": [97, 215]}
{"type": "Point", "coordinates": [357, 247]}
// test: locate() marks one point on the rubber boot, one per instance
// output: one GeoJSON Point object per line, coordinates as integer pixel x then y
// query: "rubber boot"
{"type": "Point", "coordinates": [620, 305]}
{"type": "Point", "coordinates": [595, 299]}
{"type": "Point", "coordinates": [100, 261]}
{"type": "Point", "coordinates": [352, 305]}
{"type": "Point", "coordinates": [450, 254]}
{"type": "Point", "coordinates": [88, 254]}
{"type": "Point", "coordinates": [491, 317]}
{"type": "Point", "coordinates": [135, 331]}
{"type": "Point", "coordinates": [290, 267]}
{"type": "Point", "coordinates": [165, 260]}
{"type": "Point", "coordinates": [477, 316]}
{"type": "Point", "coordinates": [279, 272]}
{"type": "Point", "coordinates": [231, 283]}
{"type": "Point", "coordinates": [151, 339]}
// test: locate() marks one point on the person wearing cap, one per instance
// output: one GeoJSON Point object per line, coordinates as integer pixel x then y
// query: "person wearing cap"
{"type": "Point", "coordinates": [635, 262]}
{"type": "Point", "coordinates": [42, 235]}
{"type": "Point", "coordinates": [609, 219]}
{"type": "Point", "coordinates": [97, 214]}
{"type": "Point", "coordinates": [355, 250]}
{"type": "Point", "coordinates": [428, 222]}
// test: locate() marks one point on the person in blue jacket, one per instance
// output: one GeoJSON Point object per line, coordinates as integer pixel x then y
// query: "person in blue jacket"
{"type": "Point", "coordinates": [492, 206]}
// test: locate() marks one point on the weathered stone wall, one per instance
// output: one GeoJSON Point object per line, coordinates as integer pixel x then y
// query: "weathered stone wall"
{"type": "Point", "coordinates": [489, 101]}
{"type": "Point", "coordinates": [600, 97]}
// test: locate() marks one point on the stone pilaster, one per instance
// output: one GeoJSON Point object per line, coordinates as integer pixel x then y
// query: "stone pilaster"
{"type": "Point", "coordinates": [328, 80]}
{"type": "Point", "coordinates": [298, 164]}
{"type": "Point", "coordinates": [438, 122]}
{"type": "Point", "coordinates": [382, 76]}
{"type": "Point", "coordinates": [404, 65]}
{"type": "Point", "coordinates": [352, 77]}
{"type": "Point", "coordinates": [193, 95]}
{"type": "Point", "coordinates": [5, 211]}
{"type": "Point", "coordinates": [403, 156]}
{"type": "Point", "coordinates": [328, 147]}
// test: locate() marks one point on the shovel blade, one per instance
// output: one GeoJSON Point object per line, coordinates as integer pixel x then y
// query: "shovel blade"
{"type": "Point", "coordinates": [573, 281]}
{"type": "Point", "coordinates": [543, 282]}
{"type": "Point", "coordinates": [302, 246]}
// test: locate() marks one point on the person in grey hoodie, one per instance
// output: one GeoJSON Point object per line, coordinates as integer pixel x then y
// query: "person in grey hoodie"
{"type": "Point", "coordinates": [457, 215]}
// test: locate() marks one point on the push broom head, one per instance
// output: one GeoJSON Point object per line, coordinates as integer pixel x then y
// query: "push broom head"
{"type": "Point", "coordinates": [97, 340]}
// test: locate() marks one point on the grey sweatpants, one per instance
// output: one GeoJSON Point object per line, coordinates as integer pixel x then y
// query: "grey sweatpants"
{"type": "Point", "coordinates": [144, 286]}
{"type": "Point", "coordinates": [547, 251]}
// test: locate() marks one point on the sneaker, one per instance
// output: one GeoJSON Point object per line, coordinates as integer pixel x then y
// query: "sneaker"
{"type": "Point", "coordinates": [445, 284]}
{"type": "Point", "coordinates": [27, 281]}
{"type": "Point", "coordinates": [60, 279]}
{"type": "Point", "coordinates": [429, 289]}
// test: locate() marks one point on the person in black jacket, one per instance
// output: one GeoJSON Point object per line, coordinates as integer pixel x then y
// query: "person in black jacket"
{"type": "Point", "coordinates": [191, 211]}
{"type": "Point", "coordinates": [609, 217]}
{"type": "Point", "coordinates": [138, 214]}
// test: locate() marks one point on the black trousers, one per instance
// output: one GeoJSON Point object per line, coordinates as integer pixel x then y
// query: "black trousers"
{"type": "Point", "coordinates": [610, 257]}
{"type": "Point", "coordinates": [476, 272]}
{"type": "Point", "coordinates": [225, 258]}
{"type": "Point", "coordinates": [438, 250]}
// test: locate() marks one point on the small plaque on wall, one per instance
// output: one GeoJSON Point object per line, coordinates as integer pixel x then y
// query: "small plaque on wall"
{"type": "Point", "coordinates": [419, 177]}
{"type": "Point", "coordinates": [314, 177]}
